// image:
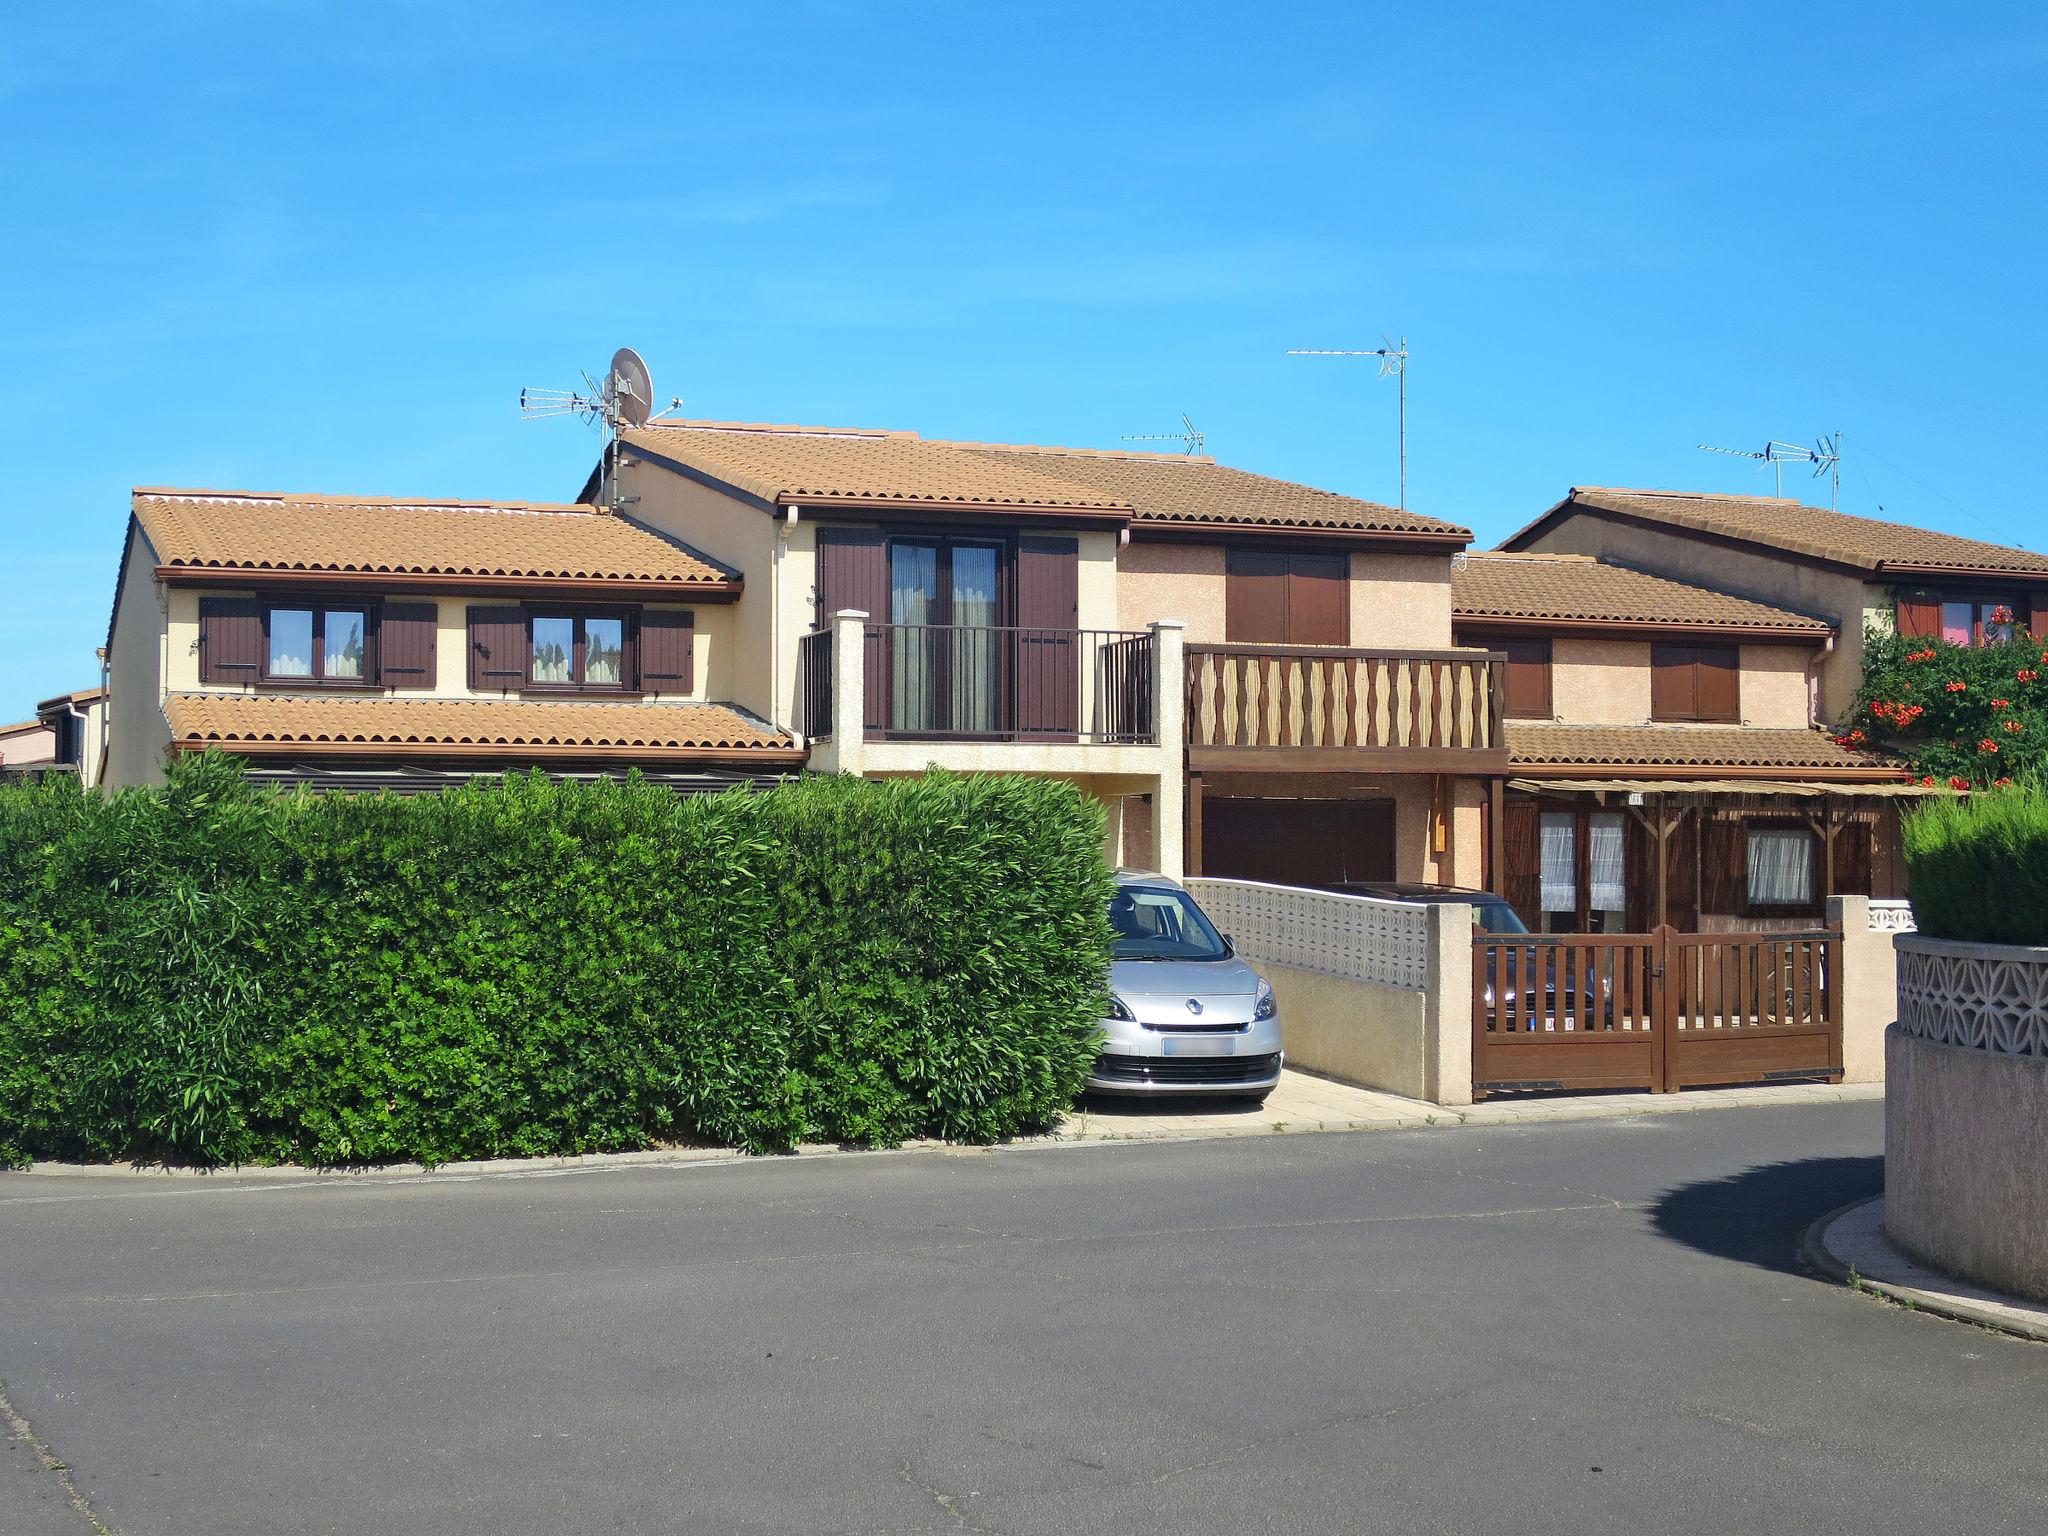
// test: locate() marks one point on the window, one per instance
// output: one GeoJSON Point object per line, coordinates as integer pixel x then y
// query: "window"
{"type": "Point", "coordinates": [315, 644]}
{"type": "Point", "coordinates": [1286, 599]}
{"type": "Point", "coordinates": [1528, 672]}
{"type": "Point", "coordinates": [577, 650]}
{"type": "Point", "coordinates": [1695, 682]}
{"type": "Point", "coordinates": [1976, 623]}
{"type": "Point", "coordinates": [1582, 871]}
{"type": "Point", "coordinates": [1780, 868]}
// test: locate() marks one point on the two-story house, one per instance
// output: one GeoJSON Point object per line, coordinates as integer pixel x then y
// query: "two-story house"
{"type": "Point", "coordinates": [370, 641]}
{"type": "Point", "coordinates": [1255, 677]}
{"type": "Point", "coordinates": [1668, 762]}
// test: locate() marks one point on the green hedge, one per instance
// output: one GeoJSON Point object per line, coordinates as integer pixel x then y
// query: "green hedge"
{"type": "Point", "coordinates": [216, 973]}
{"type": "Point", "coordinates": [1977, 867]}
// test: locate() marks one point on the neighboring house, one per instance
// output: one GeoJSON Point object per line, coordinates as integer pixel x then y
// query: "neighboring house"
{"type": "Point", "coordinates": [1855, 572]}
{"type": "Point", "coordinates": [1254, 677]}
{"type": "Point", "coordinates": [1647, 714]}
{"type": "Point", "coordinates": [373, 641]}
{"type": "Point", "coordinates": [64, 737]}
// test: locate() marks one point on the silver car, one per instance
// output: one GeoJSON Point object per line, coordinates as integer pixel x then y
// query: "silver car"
{"type": "Point", "coordinates": [1186, 1015]}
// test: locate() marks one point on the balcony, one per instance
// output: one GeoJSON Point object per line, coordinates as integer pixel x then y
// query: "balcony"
{"type": "Point", "coordinates": [1306, 709]}
{"type": "Point", "coordinates": [923, 691]}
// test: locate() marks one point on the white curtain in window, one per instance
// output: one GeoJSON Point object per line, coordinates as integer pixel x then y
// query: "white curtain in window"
{"type": "Point", "coordinates": [1560, 876]}
{"type": "Point", "coordinates": [1603, 858]}
{"type": "Point", "coordinates": [1780, 867]}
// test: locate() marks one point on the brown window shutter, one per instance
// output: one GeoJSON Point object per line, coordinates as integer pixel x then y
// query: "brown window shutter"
{"type": "Point", "coordinates": [1919, 615]}
{"type": "Point", "coordinates": [853, 572]}
{"type": "Point", "coordinates": [1528, 672]}
{"type": "Point", "coordinates": [1672, 683]}
{"type": "Point", "coordinates": [1319, 600]}
{"type": "Point", "coordinates": [1255, 591]}
{"type": "Point", "coordinates": [1520, 877]}
{"type": "Point", "coordinates": [406, 635]}
{"type": "Point", "coordinates": [230, 640]}
{"type": "Point", "coordinates": [497, 649]}
{"type": "Point", "coordinates": [1717, 686]}
{"type": "Point", "coordinates": [1048, 659]}
{"type": "Point", "coordinates": [1724, 867]}
{"type": "Point", "coordinates": [2034, 611]}
{"type": "Point", "coordinates": [1852, 859]}
{"type": "Point", "coordinates": [667, 649]}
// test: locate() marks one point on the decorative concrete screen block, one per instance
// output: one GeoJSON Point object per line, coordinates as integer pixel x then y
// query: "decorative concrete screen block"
{"type": "Point", "coordinates": [1987, 997]}
{"type": "Point", "coordinates": [1360, 938]}
{"type": "Point", "coordinates": [1892, 917]}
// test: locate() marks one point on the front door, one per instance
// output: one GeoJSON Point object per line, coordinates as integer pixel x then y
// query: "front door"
{"type": "Point", "coordinates": [945, 655]}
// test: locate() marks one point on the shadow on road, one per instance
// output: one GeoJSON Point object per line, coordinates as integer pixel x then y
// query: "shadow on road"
{"type": "Point", "coordinates": [1758, 1215]}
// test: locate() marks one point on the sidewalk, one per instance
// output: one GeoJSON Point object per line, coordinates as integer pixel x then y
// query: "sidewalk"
{"type": "Point", "coordinates": [1851, 1246]}
{"type": "Point", "coordinates": [1304, 1102]}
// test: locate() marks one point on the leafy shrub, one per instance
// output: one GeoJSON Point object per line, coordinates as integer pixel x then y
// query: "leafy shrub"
{"type": "Point", "coordinates": [1959, 715]}
{"type": "Point", "coordinates": [218, 973]}
{"type": "Point", "coordinates": [1977, 867]}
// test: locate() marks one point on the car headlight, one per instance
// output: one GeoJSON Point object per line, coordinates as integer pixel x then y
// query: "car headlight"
{"type": "Point", "coordinates": [1489, 994]}
{"type": "Point", "coordinates": [1117, 1010]}
{"type": "Point", "coordinates": [1266, 1007]}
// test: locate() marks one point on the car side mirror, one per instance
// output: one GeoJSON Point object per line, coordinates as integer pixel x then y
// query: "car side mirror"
{"type": "Point", "coordinates": [1229, 945]}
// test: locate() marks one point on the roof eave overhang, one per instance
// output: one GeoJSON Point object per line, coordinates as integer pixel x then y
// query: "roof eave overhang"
{"type": "Point", "coordinates": [1521, 539]}
{"type": "Point", "coordinates": [1664, 772]}
{"type": "Point", "coordinates": [496, 752]}
{"type": "Point", "coordinates": [900, 508]}
{"type": "Point", "coordinates": [639, 589]}
{"type": "Point", "coordinates": [1774, 633]}
{"type": "Point", "coordinates": [1450, 541]}
{"type": "Point", "coordinates": [1913, 571]}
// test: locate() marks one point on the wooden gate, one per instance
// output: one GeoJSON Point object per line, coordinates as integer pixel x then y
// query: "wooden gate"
{"type": "Point", "coordinates": [1662, 1010]}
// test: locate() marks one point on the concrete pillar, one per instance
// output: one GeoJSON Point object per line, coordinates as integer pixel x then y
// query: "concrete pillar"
{"type": "Point", "coordinates": [1447, 1002]}
{"type": "Point", "coordinates": [1169, 699]}
{"type": "Point", "coordinates": [849, 688]}
{"type": "Point", "coordinates": [1870, 989]}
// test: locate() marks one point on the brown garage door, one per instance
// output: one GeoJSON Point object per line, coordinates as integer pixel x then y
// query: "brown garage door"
{"type": "Point", "coordinates": [1298, 842]}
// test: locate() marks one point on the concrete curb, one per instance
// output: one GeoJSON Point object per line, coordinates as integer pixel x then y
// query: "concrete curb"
{"type": "Point", "coordinates": [1849, 1244]}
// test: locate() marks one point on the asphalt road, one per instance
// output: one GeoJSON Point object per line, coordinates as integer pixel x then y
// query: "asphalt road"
{"type": "Point", "coordinates": [1569, 1327]}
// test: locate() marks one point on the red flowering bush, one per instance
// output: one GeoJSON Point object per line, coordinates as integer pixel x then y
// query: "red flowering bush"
{"type": "Point", "coordinates": [1961, 715]}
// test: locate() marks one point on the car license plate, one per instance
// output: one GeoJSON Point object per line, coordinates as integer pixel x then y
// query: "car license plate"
{"type": "Point", "coordinates": [1198, 1045]}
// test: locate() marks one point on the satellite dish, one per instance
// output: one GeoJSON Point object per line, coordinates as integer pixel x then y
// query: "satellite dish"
{"type": "Point", "coordinates": [629, 388]}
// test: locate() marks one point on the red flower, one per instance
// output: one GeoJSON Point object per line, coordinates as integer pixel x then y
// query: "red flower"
{"type": "Point", "coordinates": [2014, 726]}
{"type": "Point", "coordinates": [1927, 782]}
{"type": "Point", "coordinates": [2001, 614]}
{"type": "Point", "coordinates": [1857, 736]}
{"type": "Point", "coordinates": [2001, 703]}
{"type": "Point", "coordinates": [1926, 655]}
{"type": "Point", "coordinates": [1957, 687]}
{"type": "Point", "coordinates": [1987, 745]}
{"type": "Point", "coordinates": [2026, 674]}
{"type": "Point", "coordinates": [2001, 783]}
{"type": "Point", "coordinates": [1956, 783]}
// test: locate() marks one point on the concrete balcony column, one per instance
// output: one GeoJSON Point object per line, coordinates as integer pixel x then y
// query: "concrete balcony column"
{"type": "Point", "coordinates": [1169, 701]}
{"type": "Point", "coordinates": [849, 689]}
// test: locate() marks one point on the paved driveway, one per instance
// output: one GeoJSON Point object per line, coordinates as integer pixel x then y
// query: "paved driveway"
{"type": "Point", "coordinates": [1578, 1328]}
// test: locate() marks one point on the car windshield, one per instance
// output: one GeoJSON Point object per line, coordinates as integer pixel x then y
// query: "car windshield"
{"type": "Point", "coordinates": [1497, 917]}
{"type": "Point", "coordinates": [1156, 923]}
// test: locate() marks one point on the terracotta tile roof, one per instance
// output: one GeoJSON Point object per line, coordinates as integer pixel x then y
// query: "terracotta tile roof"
{"type": "Point", "coordinates": [509, 727]}
{"type": "Point", "coordinates": [245, 531]}
{"type": "Point", "coordinates": [1569, 588]}
{"type": "Point", "coordinates": [1679, 746]}
{"type": "Point", "coordinates": [789, 464]}
{"type": "Point", "coordinates": [1783, 523]}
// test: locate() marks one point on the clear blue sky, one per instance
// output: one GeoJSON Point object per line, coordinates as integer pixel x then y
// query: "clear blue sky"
{"type": "Point", "coordinates": [320, 247]}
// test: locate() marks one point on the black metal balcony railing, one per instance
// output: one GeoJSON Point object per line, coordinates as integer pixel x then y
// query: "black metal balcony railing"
{"type": "Point", "coordinates": [989, 683]}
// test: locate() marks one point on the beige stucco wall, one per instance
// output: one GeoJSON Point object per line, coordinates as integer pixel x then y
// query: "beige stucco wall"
{"type": "Point", "coordinates": [1842, 598]}
{"type": "Point", "coordinates": [1598, 681]}
{"type": "Point", "coordinates": [1354, 1031]}
{"type": "Point", "coordinates": [35, 744]}
{"type": "Point", "coordinates": [1774, 685]}
{"type": "Point", "coordinates": [1172, 581]}
{"type": "Point", "coordinates": [1966, 1161]}
{"type": "Point", "coordinates": [137, 660]}
{"type": "Point", "coordinates": [1400, 602]}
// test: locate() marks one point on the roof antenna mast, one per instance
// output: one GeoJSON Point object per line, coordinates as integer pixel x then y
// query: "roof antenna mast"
{"type": "Point", "coordinates": [624, 399]}
{"type": "Point", "coordinates": [1393, 360]}
{"type": "Point", "coordinates": [1825, 456]}
{"type": "Point", "coordinates": [1189, 437]}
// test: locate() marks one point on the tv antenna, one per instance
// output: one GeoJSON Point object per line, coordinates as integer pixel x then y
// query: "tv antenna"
{"type": "Point", "coordinates": [1393, 360]}
{"type": "Point", "coordinates": [1189, 437]}
{"type": "Point", "coordinates": [1825, 456]}
{"type": "Point", "coordinates": [623, 398]}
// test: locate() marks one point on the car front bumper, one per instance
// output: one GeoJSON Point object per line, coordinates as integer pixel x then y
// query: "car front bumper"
{"type": "Point", "coordinates": [1146, 1063]}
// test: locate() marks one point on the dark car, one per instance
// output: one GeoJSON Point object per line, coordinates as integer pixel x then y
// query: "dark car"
{"type": "Point", "coordinates": [1530, 995]}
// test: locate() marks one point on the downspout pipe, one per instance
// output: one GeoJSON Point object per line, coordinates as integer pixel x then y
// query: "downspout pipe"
{"type": "Point", "coordinates": [1813, 665]}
